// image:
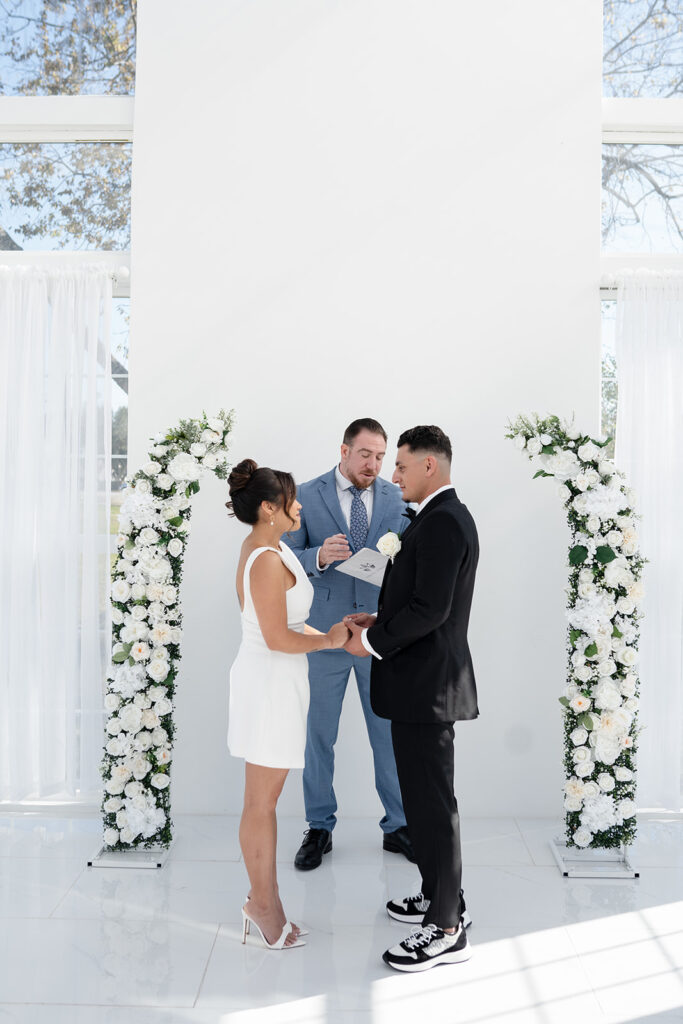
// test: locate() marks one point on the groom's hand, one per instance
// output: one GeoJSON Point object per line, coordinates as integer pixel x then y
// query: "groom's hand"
{"type": "Point", "coordinates": [334, 549]}
{"type": "Point", "coordinates": [361, 619]}
{"type": "Point", "coordinates": [354, 645]}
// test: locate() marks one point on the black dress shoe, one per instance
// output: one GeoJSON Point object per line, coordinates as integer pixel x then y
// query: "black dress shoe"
{"type": "Point", "coordinates": [317, 841]}
{"type": "Point", "coordinates": [399, 842]}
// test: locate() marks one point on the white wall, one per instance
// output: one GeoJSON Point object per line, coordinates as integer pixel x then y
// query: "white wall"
{"type": "Point", "coordinates": [383, 208]}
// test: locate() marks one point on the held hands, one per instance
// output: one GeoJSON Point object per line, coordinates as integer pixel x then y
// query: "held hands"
{"type": "Point", "coordinates": [354, 645]}
{"type": "Point", "coordinates": [337, 636]}
{"type": "Point", "coordinates": [334, 549]}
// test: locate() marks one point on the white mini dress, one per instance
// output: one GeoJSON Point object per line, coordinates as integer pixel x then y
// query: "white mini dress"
{"type": "Point", "coordinates": [269, 691]}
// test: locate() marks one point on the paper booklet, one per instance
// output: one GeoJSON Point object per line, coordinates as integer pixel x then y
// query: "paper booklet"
{"type": "Point", "coordinates": [367, 565]}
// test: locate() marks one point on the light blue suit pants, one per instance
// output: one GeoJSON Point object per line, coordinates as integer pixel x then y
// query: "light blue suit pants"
{"type": "Point", "coordinates": [328, 675]}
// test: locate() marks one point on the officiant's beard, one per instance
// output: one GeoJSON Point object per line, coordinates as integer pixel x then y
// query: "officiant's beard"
{"type": "Point", "coordinates": [363, 482]}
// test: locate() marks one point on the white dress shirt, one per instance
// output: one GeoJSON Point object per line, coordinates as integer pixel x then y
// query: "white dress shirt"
{"type": "Point", "coordinates": [364, 635]}
{"type": "Point", "coordinates": [345, 499]}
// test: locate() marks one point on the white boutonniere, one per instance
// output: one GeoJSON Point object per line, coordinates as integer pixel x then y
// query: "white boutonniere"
{"type": "Point", "coordinates": [389, 544]}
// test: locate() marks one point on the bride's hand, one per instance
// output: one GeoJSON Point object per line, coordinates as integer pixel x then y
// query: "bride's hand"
{"type": "Point", "coordinates": [337, 635]}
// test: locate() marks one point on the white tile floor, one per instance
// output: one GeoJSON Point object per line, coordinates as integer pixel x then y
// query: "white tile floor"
{"type": "Point", "coordinates": [88, 946]}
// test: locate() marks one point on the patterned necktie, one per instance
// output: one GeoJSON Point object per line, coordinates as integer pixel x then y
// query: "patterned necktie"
{"type": "Point", "coordinates": [358, 525]}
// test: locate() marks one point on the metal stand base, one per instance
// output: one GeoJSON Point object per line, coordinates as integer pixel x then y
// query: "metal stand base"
{"type": "Point", "coordinates": [575, 863]}
{"type": "Point", "coordinates": [154, 857]}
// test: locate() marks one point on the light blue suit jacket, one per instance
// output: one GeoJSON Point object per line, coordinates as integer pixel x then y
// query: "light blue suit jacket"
{"type": "Point", "coordinates": [337, 594]}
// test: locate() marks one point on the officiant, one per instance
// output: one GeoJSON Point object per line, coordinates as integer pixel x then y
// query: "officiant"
{"type": "Point", "coordinates": [344, 510]}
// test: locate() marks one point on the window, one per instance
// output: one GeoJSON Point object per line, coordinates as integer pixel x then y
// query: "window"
{"type": "Point", "coordinates": [642, 48]}
{"type": "Point", "coordinates": [119, 405]}
{"type": "Point", "coordinates": [608, 384]}
{"type": "Point", "coordinates": [642, 198]}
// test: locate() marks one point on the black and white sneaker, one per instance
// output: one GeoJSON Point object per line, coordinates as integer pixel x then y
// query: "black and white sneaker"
{"type": "Point", "coordinates": [412, 909]}
{"type": "Point", "coordinates": [428, 947]}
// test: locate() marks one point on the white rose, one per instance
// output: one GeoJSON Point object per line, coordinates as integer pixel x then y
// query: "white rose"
{"type": "Point", "coordinates": [519, 442]}
{"type": "Point", "coordinates": [114, 746]}
{"type": "Point", "coordinates": [159, 654]}
{"type": "Point", "coordinates": [130, 717]}
{"type": "Point", "coordinates": [169, 595]}
{"type": "Point", "coordinates": [626, 742]}
{"type": "Point", "coordinates": [212, 436]}
{"type": "Point", "coordinates": [533, 445]}
{"type": "Point", "coordinates": [588, 452]}
{"type": "Point", "coordinates": [628, 685]}
{"type": "Point", "coordinates": [581, 754]}
{"type": "Point", "coordinates": [140, 767]}
{"type": "Point", "coordinates": [389, 545]}
{"type": "Point", "coordinates": [116, 616]}
{"type": "Point", "coordinates": [573, 804]}
{"type": "Point", "coordinates": [151, 468]}
{"type": "Point", "coordinates": [584, 768]}
{"type": "Point", "coordinates": [159, 449]}
{"type": "Point", "coordinates": [184, 467]}
{"type": "Point", "coordinates": [139, 651]}
{"type": "Point", "coordinates": [112, 701]}
{"type": "Point", "coordinates": [571, 691]}
{"type": "Point", "coordinates": [114, 786]}
{"type": "Point", "coordinates": [129, 634]}
{"type": "Point", "coordinates": [592, 477]}
{"type": "Point", "coordinates": [573, 787]}
{"type": "Point", "coordinates": [156, 610]}
{"type": "Point", "coordinates": [210, 461]}
{"type": "Point", "coordinates": [150, 719]}
{"type": "Point", "coordinates": [623, 774]}
{"type": "Point", "coordinates": [139, 613]}
{"type": "Point", "coordinates": [583, 672]}
{"type": "Point", "coordinates": [546, 439]}
{"type": "Point", "coordinates": [582, 482]}
{"type": "Point", "coordinates": [198, 449]}
{"type": "Point", "coordinates": [160, 737]}
{"type": "Point", "coordinates": [593, 523]}
{"type": "Point", "coordinates": [582, 837]}
{"type": "Point", "coordinates": [580, 503]}
{"type": "Point", "coordinates": [160, 781]}
{"type": "Point", "coordinates": [114, 726]}
{"type": "Point", "coordinates": [154, 591]}
{"type": "Point", "coordinates": [614, 538]}
{"type": "Point", "coordinates": [636, 592]}
{"type": "Point", "coordinates": [156, 693]}
{"type": "Point", "coordinates": [158, 670]}
{"type": "Point", "coordinates": [111, 836]}
{"type": "Point", "coordinates": [607, 667]}
{"type": "Point", "coordinates": [127, 835]}
{"type": "Point", "coordinates": [133, 789]}
{"type": "Point", "coordinates": [143, 487]}
{"type": "Point", "coordinates": [164, 481]}
{"type": "Point", "coordinates": [137, 591]}
{"type": "Point", "coordinates": [163, 756]}
{"type": "Point", "coordinates": [175, 546]}
{"type": "Point", "coordinates": [578, 737]}
{"type": "Point", "coordinates": [606, 782]}
{"type": "Point", "coordinates": [142, 701]}
{"type": "Point", "coordinates": [216, 423]}
{"type": "Point", "coordinates": [143, 740]}
{"type": "Point", "coordinates": [120, 591]}
{"type": "Point", "coordinates": [563, 492]}
{"type": "Point", "coordinates": [605, 468]}
{"type": "Point", "coordinates": [632, 703]}
{"type": "Point", "coordinates": [580, 704]}
{"type": "Point", "coordinates": [590, 790]}
{"type": "Point", "coordinates": [628, 656]}
{"type": "Point", "coordinates": [176, 635]}
{"type": "Point", "coordinates": [148, 536]}
{"type": "Point", "coordinates": [626, 808]}
{"type": "Point", "coordinates": [113, 804]}
{"type": "Point", "coordinates": [122, 818]}
{"type": "Point", "coordinates": [163, 706]}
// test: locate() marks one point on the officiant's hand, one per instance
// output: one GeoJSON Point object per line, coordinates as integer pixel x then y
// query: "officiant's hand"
{"type": "Point", "coordinates": [354, 645]}
{"type": "Point", "coordinates": [334, 549]}
{"type": "Point", "coordinates": [361, 619]}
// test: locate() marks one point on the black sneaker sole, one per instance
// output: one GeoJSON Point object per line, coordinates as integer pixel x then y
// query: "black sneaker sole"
{"type": "Point", "coordinates": [311, 867]}
{"type": "Point", "coordinates": [456, 957]}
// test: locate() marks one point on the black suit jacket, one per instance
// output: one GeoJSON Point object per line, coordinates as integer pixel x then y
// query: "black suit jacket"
{"type": "Point", "coordinates": [426, 673]}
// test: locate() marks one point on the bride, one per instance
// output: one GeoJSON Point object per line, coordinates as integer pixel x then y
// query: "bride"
{"type": "Point", "coordinates": [269, 680]}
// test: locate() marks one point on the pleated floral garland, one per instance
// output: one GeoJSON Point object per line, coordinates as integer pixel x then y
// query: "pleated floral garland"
{"type": "Point", "coordinates": [605, 590]}
{"type": "Point", "coordinates": [154, 525]}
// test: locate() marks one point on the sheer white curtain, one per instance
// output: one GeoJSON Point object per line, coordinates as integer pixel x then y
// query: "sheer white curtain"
{"type": "Point", "coordinates": [55, 456]}
{"type": "Point", "coordinates": [649, 448]}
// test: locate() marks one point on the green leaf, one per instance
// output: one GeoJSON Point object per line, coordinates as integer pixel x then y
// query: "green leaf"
{"type": "Point", "coordinates": [188, 492]}
{"type": "Point", "coordinates": [605, 554]}
{"type": "Point", "coordinates": [548, 449]}
{"type": "Point", "coordinates": [574, 635]}
{"type": "Point", "coordinates": [119, 657]}
{"type": "Point", "coordinates": [176, 521]}
{"type": "Point", "coordinates": [616, 632]}
{"type": "Point", "coordinates": [131, 662]}
{"type": "Point", "coordinates": [587, 722]}
{"type": "Point", "coordinates": [194, 486]}
{"type": "Point", "coordinates": [564, 701]}
{"type": "Point", "coordinates": [541, 472]}
{"type": "Point", "coordinates": [591, 650]}
{"type": "Point", "coordinates": [129, 544]}
{"type": "Point", "coordinates": [578, 554]}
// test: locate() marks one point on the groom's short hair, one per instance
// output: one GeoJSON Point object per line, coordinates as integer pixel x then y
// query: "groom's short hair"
{"type": "Point", "coordinates": [430, 440]}
{"type": "Point", "coordinates": [354, 429]}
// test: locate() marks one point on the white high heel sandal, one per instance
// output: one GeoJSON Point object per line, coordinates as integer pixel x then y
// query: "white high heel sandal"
{"type": "Point", "coordinates": [300, 931]}
{"type": "Point", "coordinates": [278, 944]}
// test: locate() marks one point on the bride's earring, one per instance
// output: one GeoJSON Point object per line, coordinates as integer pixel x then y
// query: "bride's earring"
{"type": "Point", "coordinates": [272, 523]}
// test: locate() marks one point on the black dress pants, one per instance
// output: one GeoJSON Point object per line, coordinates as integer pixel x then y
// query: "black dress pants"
{"type": "Point", "coordinates": [425, 763]}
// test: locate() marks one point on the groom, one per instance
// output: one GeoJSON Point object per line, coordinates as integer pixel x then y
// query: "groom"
{"type": "Point", "coordinates": [423, 681]}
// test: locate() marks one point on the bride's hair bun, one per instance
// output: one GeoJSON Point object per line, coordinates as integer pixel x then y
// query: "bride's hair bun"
{"type": "Point", "coordinates": [241, 474]}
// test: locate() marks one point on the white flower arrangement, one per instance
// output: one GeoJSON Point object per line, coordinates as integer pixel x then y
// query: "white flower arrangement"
{"type": "Point", "coordinates": [390, 544]}
{"type": "Point", "coordinates": [604, 594]}
{"type": "Point", "coordinates": [146, 634]}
